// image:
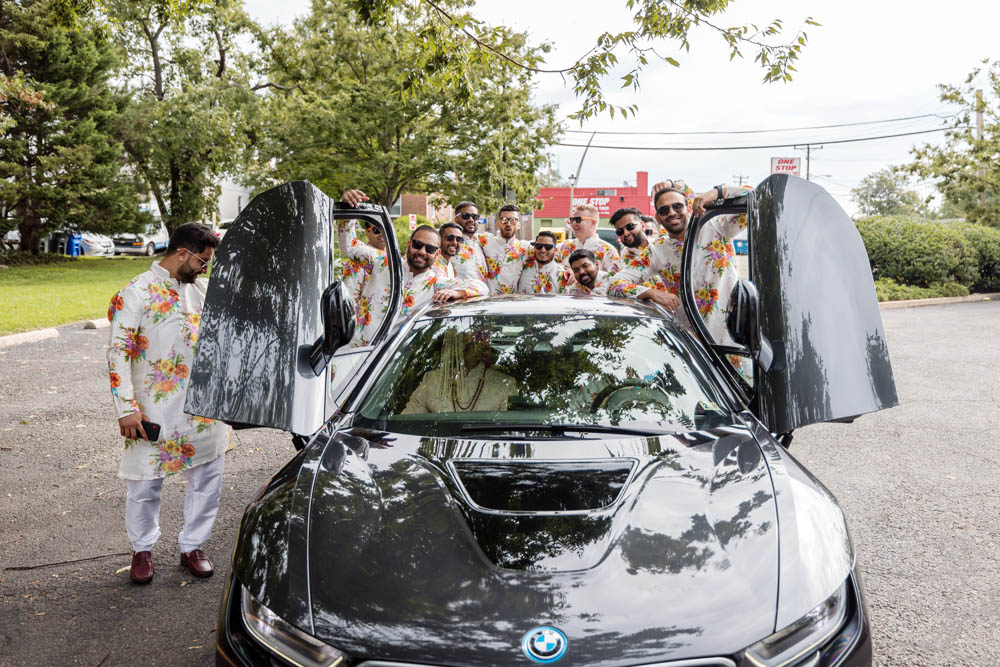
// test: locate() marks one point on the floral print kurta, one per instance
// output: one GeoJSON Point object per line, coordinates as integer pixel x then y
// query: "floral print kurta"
{"type": "Point", "coordinates": [536, 278]}
{"type": "Point", "coordinates": [418, 289]}
{"type": "Point", "coordinates": [469, 261]}
{"type": "Point", "coordinates": [154, 328]}
{"type": "Point", "coordinates": [713, 273]}
{"type": "Point", "coordinates": [498, 252]}
{"type": "Point", "coordinates": [606, 254]}
{"type": "Point", "coordinates": [601, 284]}
{"type": "Point", "coordinates": [359, 257]}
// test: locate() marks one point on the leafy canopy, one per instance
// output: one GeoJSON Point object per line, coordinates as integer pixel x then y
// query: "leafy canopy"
{"type": "Point", "coordinates": [885, 192]}
{"type": "Point", "coordinates": [461, 38]}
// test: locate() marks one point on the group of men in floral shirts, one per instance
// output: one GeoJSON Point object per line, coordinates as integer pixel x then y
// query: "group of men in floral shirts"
{"type": "Point", "coordinates": [459, 261]}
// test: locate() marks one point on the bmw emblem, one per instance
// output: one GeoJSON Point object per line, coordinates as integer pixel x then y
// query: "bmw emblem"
{"type": "Point", "coordinates": [544, 644]}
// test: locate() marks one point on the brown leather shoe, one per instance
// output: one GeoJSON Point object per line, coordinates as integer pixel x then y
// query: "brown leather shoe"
{"type": "Point", "coordinates": [141, 571]}
{"type": "Point", "coordinates": [197, 563]}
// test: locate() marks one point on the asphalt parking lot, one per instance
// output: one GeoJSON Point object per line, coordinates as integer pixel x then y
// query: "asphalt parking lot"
{"type": "Point", "coordinates": [920, 484]}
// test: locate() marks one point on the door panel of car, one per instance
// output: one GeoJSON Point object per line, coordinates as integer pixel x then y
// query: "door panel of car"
{"type": "Point", "coordinates": [818, 314]}
{"type": "Point", "coordinates": [263, 319]}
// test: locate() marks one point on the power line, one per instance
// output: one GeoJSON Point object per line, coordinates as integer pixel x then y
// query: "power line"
{"type": "Point", "coordinates": [786, 129]}
{"type": "Point", "coordinates": [745, 148]}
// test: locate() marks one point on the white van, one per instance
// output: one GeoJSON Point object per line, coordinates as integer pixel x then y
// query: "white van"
{"type": "Point", "coordinates": [151, 240]}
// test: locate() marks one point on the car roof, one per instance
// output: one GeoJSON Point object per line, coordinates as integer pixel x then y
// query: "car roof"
{"type": "Point", "coordinates": [541, 304]}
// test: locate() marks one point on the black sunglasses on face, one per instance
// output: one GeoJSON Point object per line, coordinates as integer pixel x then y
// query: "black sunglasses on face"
{"type": "Point", "coordinates": [543, 246]}
{"type": "Point", "coordinates": [629, 226]}
{"type": "Point", "coordinates": [452, 237]}
{"type": "Point", "coordinates": [677, 207]}
{"type": "Point", "coordinates": [420, 245]}
{"type": "Point", "coordinates": [650, 232]}
{"type": "Point", "coordinates": [468, 216]}
{"type": "Point", "coordinates": [372, 229]}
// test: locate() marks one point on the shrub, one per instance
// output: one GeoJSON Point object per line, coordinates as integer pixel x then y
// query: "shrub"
{"type": "Point", "coordinates": [20, 258]}
{"type": "Point", "coordinates": [918, 252]}
{"type": "Point", "coordinates": [985, 243]}
{"type": "Point", "coordinates": [888, 289]}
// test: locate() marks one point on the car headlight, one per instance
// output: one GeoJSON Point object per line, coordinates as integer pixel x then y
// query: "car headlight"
{"type": "Point", "coordinates": [797, 640]}
{"type": "Point", "coordinates": [284, 639]}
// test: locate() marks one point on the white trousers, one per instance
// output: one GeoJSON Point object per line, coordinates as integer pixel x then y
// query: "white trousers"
{"type": "Point", "coordinates": [201, 505]}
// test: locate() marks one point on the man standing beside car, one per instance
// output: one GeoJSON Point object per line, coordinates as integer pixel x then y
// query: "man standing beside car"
{"type": "Point", "coordinates": [154, 328]}
{"type": "Point", "coordinates": [589, 279]}
{"type": "Point", "coordinates": [361, 257]}
{"type": "Point", "coordinates": [540, 273]}
{"type": "Point", "coordinates": [503, 248]}
{"type": "Point", "coordinates": [421, 283]}
{"type": "Point", "coordinates": [467, 217]}
{"type": "Point", "coordinates": [713, 273]}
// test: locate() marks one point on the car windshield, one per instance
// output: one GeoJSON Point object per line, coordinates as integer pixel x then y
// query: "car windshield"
{"type": "Point", "coordinates": [504, 373]}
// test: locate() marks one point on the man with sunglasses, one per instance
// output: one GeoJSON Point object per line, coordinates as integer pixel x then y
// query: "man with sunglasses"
{"type": "Point", "coordinates": [650, 226]}
{"type": "Point", "coordinates": [504, 250]}
{"type": "Point", "coordinates": [540, 273]}
{"type": "Point", "coordinates": [154, 328]}
{"type": "Point", "coordinates": [467, 217]}
{"type": "Point", "coordinates": [451, 244]}
{"type": "Point", "coordinates": [421, 284]}
{"type": "Point", "coordinates": [583, 222]}
{"type": "Point", "coordinates": [713, 272]}
{"type": "Point", "coordinates": [360, 257]}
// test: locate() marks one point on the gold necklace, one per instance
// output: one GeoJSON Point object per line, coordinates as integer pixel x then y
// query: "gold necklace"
{"type": "Point", "coordinates": [455, 402]}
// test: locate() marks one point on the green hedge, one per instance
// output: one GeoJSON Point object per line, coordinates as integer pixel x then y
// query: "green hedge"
{"type": "Point", "coordinates": [923, 253]}
{"type": "Point", "coordinates": [402, 227]}
{"type": "Point", "coordinates": [985, 243]}
{"type": "Point", "coordinates": [888, 289]}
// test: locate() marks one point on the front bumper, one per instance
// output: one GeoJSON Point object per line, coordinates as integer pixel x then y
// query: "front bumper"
{"type": "Point", "coordinates": [850, 647]}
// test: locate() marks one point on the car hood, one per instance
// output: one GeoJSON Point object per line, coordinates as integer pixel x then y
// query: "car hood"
{"type": "Point", "coordinates": [447, 552]}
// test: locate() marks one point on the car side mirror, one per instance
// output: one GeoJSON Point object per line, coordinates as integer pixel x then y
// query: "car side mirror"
{"type": "Point", "coordinates": [743, 323]}
{"type": "Point", "coordinates": [338, 312]}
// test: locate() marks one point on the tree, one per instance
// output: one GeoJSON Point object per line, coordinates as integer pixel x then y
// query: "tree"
{"type": "Point", "coordinates": [193, 111]}
{"type": "Point", "coordinates": [353, 105]}
{"type": "Point", "coordinates": [60, 163]}
{"type": "Point", "coordinates": [966, 168]}
{"type": "Point", "coordinates": [458, 40]}
{"type": "Point", "coordinates": [885, 192]}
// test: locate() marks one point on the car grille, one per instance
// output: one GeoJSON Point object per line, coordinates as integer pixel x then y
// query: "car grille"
{"type": "Point", "coordinates": [696, 662]}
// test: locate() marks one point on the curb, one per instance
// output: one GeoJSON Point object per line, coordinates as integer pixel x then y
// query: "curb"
{"type": "Point", "coordinates": [27, 337]}
{"type": "Point", "coordinates": [100, 323]}
{"type": "Point", "coordinates": [939, 301]}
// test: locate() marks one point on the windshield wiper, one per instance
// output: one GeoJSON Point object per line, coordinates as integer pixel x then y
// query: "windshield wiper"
{"type": "Point", "coordinates": [575, 428]}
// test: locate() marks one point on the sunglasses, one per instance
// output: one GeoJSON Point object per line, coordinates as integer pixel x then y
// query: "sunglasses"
{"type": "Point", "coordinates": [677, 207]}
{"type": "Point", "coordinates": [202, 261]}
{"type": "Point", "coordinates": [543, 246]}
{"type": "Point", "coordinates": [508, 219]}
{"type": "Point", "coordinates": [650, 232]}
{"type": "Point", "coordinates": [452, 237]}
{"type": "Point", "coordinates": [628, 227]}
{"type": "Point", "coordinates": [468, 216]}
{"type": "Point", "coordinates": [372, 229]}
{"type": "Point", "coordinates": [420, 245]}
{"type": "Point", "coordinates": [576, 220]}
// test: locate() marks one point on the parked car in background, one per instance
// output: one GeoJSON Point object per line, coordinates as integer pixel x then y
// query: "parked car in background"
{"type": "Point", "coordinates": [12, 239]}
{"type": "Point", "coordinates": [97, 245]}
{"type": "Point", "coordinates": [151, 240]}
{"type": "Point", "coordinates": [608, 234]}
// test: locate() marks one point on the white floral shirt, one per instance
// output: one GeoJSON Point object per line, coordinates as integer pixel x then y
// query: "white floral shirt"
{"type": "Point", "coordinates": [535, 278]}
{"type": "Point", "coordinates": [498, 251]}
{"type": "Point", "coordinates": [469, 261]}
{"type": "Point", "coordinates": [418, 289]}
{"type": "Point", "coordinates": [601, 284]}
{"type": "Point", "coordinates": [713, 273]}
{"type": "Point", "coordinates": [606, 254]}
{"type": "Point", "coordinates": [359, 257]}
{"type": "Point", "coordinates": [154, 328]}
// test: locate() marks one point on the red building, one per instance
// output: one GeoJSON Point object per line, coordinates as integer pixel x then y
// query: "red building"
{"type": "Point", "coordinates": [556, 205]}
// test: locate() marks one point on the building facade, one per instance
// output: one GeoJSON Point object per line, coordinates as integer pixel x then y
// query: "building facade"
{"type": "Point", "coordinates": [556, 205]}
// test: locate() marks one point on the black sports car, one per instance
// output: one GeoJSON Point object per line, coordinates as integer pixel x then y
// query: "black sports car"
{"type": "Point", "coordinates": [518, 480]}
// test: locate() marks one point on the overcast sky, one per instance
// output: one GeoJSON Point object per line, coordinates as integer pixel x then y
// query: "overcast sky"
{"type": "Point", "coordinates": [868, 61]}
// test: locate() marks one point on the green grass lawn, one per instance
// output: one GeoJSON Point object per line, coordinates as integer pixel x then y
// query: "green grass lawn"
{"type": "Point", "coordinates": [32, 297]}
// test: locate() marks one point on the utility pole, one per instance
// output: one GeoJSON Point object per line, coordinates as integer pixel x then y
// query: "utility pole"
{"type": "Point", "coordinates": [979, 136]}
{"type": "Point", "coordinates": [740, 179]}
{"type": "Point", "coordinates": [808, 148]}
{"type": "Point", "coordinates": [575, 177]}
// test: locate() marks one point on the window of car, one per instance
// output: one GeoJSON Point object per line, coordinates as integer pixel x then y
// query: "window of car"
{"type": "Point", "coordinates": [453, 373]}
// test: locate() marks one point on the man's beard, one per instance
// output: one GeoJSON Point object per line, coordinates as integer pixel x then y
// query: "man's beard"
{"type": "Point", "coordinates": [185, 274]}
{"type": "Point", "coordinates": [424, 259]}
{"type": "Point", "coordinates": [635, 243]}
{"type": "Point", "coordinates": [586, 280]}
